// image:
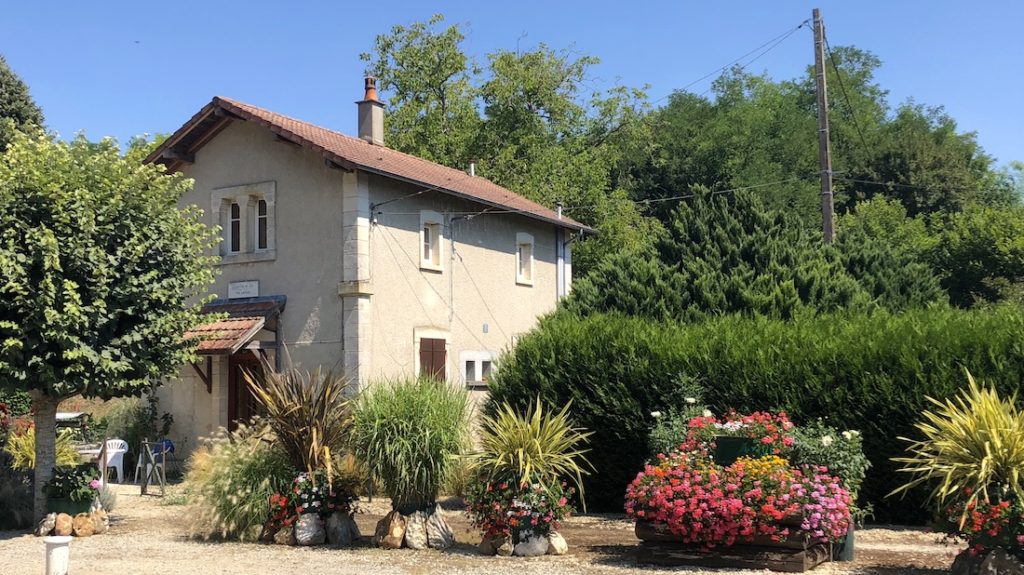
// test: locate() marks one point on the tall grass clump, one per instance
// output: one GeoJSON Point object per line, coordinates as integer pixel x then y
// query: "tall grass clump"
{"type": "Point", "coordinates": [21, 444]}
{"type": "Point", "coordinates": [972, 450]}
{"type": "Point", "coordinates": [309, 413]}
{"type": "Point", "coordinates": [538, 446]}
{"type": "Point", "coordinates": [229, 482]}
{"type": "Point", "coordinates": [869, 372]}
{"type": "Point", "coordinates": [409, 434]}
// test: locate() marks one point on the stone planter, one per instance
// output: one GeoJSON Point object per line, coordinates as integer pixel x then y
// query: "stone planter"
{"type": "Point", "coordinates": [728, 449]}
{"type": "Point", "coordinates": [795, 554]}
{"type": "Point", "coordinates": [68, 506]}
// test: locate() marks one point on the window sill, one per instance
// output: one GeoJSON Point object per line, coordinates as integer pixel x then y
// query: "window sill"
{"type": "Point", "coordinates": [476, 385]}
{"type": "Point", "coordinates": [428, 267]}
{"type": "Point", "coordinates": [525, 283]}
{"type": "Point", "coordinates": [248, 258]}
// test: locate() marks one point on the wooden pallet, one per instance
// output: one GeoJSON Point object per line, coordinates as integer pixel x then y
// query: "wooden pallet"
{"type": "Point", "coordinates": [658, 547]}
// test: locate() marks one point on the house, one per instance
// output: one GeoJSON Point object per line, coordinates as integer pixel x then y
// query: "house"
{"type": "Point", "coordinates": [354, 256]}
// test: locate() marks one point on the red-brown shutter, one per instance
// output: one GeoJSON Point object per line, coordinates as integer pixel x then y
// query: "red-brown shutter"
{"type": "Point", "coordinates": [433, 357]}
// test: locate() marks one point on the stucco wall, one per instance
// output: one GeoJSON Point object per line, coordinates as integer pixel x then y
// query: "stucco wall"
{"type": "Point", "coordinates": [311, 228]}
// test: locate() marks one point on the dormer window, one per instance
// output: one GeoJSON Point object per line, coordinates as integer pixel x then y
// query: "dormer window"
{"type": "Point", "coordinates": [430, 241]}
{"type": "Point", "coordinates": [235, 229]}
{"type": "Point", "coordinates": [524, 259]}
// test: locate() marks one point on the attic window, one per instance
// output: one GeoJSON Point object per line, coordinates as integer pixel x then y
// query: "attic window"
{"type": "Point", "coordinates": [430, 241]}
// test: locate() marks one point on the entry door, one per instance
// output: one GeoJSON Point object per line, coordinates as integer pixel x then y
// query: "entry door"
{"type": "Point", "coordinates": [432, 358]}
{"type": "Point", "coordinates": [241, 403]}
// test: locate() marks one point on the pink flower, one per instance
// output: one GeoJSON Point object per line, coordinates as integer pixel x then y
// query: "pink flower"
{"type": "Point", "coordinates": [95, 484]}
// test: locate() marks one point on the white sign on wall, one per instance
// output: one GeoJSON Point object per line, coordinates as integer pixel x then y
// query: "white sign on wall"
{"type": "Point", "coordinates": [248, 288]}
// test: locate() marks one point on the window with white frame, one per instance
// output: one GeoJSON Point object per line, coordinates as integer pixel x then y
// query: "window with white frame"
{"type": "Point", "coordinates": [246, 216]}
{"type": "Point", "coordinates": [430, 240]}
{"type": "Point", "coordinates": [477, 367]}
{"type": "Point", "coordinates": [524, 259]}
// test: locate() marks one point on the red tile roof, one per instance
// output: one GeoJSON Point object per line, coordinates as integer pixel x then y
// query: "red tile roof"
{"type": "Point", "coordinates": [225, 336]}
{"type": "Point", "coordinates": [356, 153]}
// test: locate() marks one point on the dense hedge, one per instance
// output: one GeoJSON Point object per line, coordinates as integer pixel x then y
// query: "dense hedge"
{"type": "Point", "coordinates": [870, 373]}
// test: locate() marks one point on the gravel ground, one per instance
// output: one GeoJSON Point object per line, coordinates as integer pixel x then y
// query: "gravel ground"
{"type": "Point", "coordinates": [150, 537]}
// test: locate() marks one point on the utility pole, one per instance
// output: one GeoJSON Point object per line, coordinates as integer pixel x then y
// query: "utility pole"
{"type": "Point", "coordinates": [824, 147]}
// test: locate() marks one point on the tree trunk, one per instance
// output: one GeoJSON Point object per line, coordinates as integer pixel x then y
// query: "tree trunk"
{"type": "Point", "coordinates": [45, 408]}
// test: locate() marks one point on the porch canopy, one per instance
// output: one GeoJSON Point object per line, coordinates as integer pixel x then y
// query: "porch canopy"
{"type": "Point", "coordinates": [228, 335]}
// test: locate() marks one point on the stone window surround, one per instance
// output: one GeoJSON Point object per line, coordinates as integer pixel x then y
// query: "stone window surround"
{"type": "Point", "coordinates": [246, 196]}
{"type": "Point", "coordinates": [419, 333]}
{"type": "Point", "coordinates": [477, 357]}
{"type": "Point", "coordinates": [433, 219]}
{"type": "Point", "coordinates": [523, 239]}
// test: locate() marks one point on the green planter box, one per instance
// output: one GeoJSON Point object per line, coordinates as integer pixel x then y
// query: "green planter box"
{"type": "Point", "coordinates": [68, 506]}
{"type": "Point", "coordinates": [728, 449]}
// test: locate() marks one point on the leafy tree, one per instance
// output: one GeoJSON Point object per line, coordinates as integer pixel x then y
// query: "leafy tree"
{"type": "Point", "coordinates": [98, 266]}
{"type": "Point", "coordinates": [525, 119]}
{"type": "Point", "coordinates": [726, 254]}
{"type": "Point", "coordinates": [431, 103]}
{"type": "Point", "coordinates": [17, 110]}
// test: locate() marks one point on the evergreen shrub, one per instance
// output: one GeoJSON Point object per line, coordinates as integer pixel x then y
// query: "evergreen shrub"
{"type": "Point", "coordinates": [869, 372]}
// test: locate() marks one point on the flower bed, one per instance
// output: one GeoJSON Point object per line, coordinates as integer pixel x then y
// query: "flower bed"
{"type": "Point", "coordinates": [503, 509]}
{"type": "Point", "coordinates": [703, 506]}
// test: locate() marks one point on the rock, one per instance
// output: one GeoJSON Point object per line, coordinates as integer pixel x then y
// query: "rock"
{"type": "Point", "coordinates": [999, 562]}
{"type": "Point", "coordinates": [416, 530]}
{"type": "Point", "coordinates": [390, 531]}
{"type": "Point", "coordinates": [557, 544]}
{"type": "Point", "coordinates": [506, 547]}
{"type": "Point", "coordinates": [285, 536]}
{"type": "Point", "coordinates": [490, 545]}
{"type": "Point", "coordinates": [46, 525]}
{"type": "Point", "coordinates": [531, 546]}
{"type": "Point", "coordinates": [309, 530]}
{"type": "Point", "coordinates": [965, 564]}
{"type": "Point", "coordinates": [100, 520]}
{"type": "Point", "coordinates": [439, 533]}
{"type": "Point", "coordinates": [341, 529]}
{"type": "Point", "coordinates": [63, 524]}
{"type": "Point", "coordinates": [82, 525]}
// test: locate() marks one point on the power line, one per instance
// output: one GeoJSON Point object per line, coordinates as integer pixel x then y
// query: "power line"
{"type": "Point", "coordinates": [769, 49]}
{"type": "Point", "coordinates": [915, 186]}
{"type": "Point", "coordinates": [846, 96]}
{"type": "Point", "coordinates": [778, 39]}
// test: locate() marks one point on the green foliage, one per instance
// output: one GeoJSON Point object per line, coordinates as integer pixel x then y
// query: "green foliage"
{"type": "Point", "coordinates": [867, 372]}
{"type": "Point", "coordinates": [819, 444]}
{"type": "Point", "coordinates": [15, 495]}
{"type": "Point", "coordinates": [308, 412]}
{"type": "Point", "coordinates": [73, 482]}
{"type": "Point", "coordinates": [972, 449]}
{"type": "Point", "coordinates": [726, 254]}
{"type": "Point", "coordinates": [526, 118]}
{"type": "Point", "coordinates": [671, 420]}
{"type": "Point", "coordinates": [22, 447]}
{"type": "Point", "coordinates": [230, 481]}
{"type": "Point", "coordinates": [107, 498]}
{"type": "Point", "coordinates": [136, 420]}
{"type": "Point", "coordinates": [17, 109]}
{"type": "Point", "coordinates": [409, 434]}
{"type": "Point", "coordinates": [535, 446]}
{"type": "Point", "coordinates": [18, 402]}
{"type": "Point", "coordinates": [98, 264]}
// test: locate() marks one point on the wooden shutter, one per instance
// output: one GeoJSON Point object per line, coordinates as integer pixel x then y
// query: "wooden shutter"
{"type": "Point", "coordinates": [433, 357]}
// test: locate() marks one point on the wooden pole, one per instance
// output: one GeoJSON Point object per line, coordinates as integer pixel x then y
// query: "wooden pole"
{"type": "Point", "coordinates": [824, 146]}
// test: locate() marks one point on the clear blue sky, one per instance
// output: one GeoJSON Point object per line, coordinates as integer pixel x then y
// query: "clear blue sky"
{"type": "Point", "coordinates": [125, 68]}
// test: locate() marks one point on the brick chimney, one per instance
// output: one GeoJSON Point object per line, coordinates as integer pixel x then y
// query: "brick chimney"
{"type": "Point", "coordinates": [371, 115]}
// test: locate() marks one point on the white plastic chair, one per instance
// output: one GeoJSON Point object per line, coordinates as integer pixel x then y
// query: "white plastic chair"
{"type": "Point", "coordinates": [116, 448]}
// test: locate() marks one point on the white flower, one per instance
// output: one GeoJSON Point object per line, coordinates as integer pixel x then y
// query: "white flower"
{"type": "Point", "coordinates": [827, 440]}
{"type": "Point", "coordinates": [707, 413]}
{"type": "Point", "coordinates": [847, 435]}
{"type": "Point", "coordinates": [655, 414]}
{"type": "Point", "coordinates": [691, 400]}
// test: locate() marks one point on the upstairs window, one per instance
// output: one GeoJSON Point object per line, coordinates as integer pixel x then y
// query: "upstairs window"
{"type": "Point", "coordinates": [524, 259]}
{"type": "Point", "coordinates": [430, 241]}
{"type": "Point", "coordinates": [262, 221]}
{"type": "Point", "coordinates": [235, 229]}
